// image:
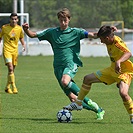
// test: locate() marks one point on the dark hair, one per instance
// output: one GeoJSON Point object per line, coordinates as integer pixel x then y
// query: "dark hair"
{"type": "Point", "coordinates": [105, 31]}
{"type": "Point", "coordinates": [13, 14]}
{"type": "Point", "coordinates": [64, 13]}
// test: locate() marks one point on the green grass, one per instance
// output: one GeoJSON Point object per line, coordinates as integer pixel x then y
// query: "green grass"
{"type": "Point", "coordinates": [34, 108]}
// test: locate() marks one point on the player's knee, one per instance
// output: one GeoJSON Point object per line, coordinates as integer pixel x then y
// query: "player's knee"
{"type": "Point", "coordinates": [64, 82]}
{"type": "Point", "coordinates": [87, 79]}
{"type": "Point", "coordinates": [10, 69]}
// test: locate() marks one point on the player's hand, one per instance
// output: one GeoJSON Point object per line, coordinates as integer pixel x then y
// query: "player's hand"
{"type": "Point", "coordinates": [117, 67]}
{"type": "Point", "coordinates": [114, 28]}
{"type": "Point", "coordinates": [25, 26]}
{"type": "Point", "coordinates": [23, 49]}
{"type": "Point", "coordinates": [95, 35]}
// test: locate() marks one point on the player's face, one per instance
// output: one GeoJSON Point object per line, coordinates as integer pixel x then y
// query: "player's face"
{"type": "Point", "coordinates": [64, 22]}
{"type": "Point", "coordinates": [106, 40]}
{"type": "Point", "coordinates": [13, 20]}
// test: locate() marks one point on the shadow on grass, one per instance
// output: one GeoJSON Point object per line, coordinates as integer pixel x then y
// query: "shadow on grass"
{"type": "Point", "coordinates": [53, 120]}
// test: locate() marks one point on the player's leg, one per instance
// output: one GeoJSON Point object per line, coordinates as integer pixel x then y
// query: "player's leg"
{"type": "Point", "coordinates": [98, 77]}
{"type": "Point", "coordinates": [73, 98]}
{"type": "Point", "coordinates": [86, 86]}
{"type": "Point", "coordinates": [68, 83]}
{"type": "Point", "coordinates": [8, 85]}
{"type": "Point", "coordinates": [127, 100]}
{"type": "Point", "coordinates": [87, 103]}
{"type": "Point", "coordinates": [11, 62]}
{"type": "Point", "coordinates": [14, 62]}
{"type": "Point", "coordinates": [11, 77]}
{"type": "Point", "coordinates": [72, 91]}
{"type": "Point", "coordinates": [8, 63]}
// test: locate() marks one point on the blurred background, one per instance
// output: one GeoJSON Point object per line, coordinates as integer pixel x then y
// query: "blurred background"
{"type": "Point", "coordinates": [87, 14]}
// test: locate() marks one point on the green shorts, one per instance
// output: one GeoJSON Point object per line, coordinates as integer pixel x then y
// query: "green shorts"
{"type": "Point", "coordinates": [69, 69]}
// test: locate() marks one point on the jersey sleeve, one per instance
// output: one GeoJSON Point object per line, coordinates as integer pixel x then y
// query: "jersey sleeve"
{"type": "Point", "coordinates": [21, 34]}
{"type": "Point", "coordinates": [0, 32]}
{"type": "Point", "coordinates": [83, 33]}
{"type": "Point", "coordinates": [43, 35]}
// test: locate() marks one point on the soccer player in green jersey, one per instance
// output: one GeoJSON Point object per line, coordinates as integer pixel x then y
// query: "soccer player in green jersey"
{"type": "Point", "coordinates": [11, 33]}
{"type": "Point", "coordinates": [65, 42]}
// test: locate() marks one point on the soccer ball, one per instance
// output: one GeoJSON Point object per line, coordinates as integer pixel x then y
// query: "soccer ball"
{"type": "Point", "coordinates": [64, 116]}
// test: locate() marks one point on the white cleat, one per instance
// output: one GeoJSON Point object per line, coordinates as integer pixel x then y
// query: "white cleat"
{"type": "Point", "coordinates": [73, 106]}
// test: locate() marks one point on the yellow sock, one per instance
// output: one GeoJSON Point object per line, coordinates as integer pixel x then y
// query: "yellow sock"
{"type": "Point", "coordinates": [8, 82]}
{"type": "Point", "coordinates": [82, 93]}
{"type": "Point", "coordinates": [12, 80]}
{"type": "Point", "coordinates": [129, 106]}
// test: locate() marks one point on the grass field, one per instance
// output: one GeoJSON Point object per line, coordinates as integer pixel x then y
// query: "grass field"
{"type": "Point", "coordinates": [34, 108]}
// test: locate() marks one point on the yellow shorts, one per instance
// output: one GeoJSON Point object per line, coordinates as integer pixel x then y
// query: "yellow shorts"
{"type": "Point", "coordinates": [9, 57]}
{"type": "Point", "coordinates": [109, 76]}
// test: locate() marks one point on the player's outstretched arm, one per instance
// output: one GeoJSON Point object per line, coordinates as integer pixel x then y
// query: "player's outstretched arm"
{"type": "Point", "coordinates": [92, 35]}
{"type": "Point", "coordinates": [27, 31]}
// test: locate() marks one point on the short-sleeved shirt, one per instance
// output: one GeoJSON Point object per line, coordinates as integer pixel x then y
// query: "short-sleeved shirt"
{"type": "Point", "coordinates": [65, 44]}
{"type": "Point", "coordinates": [11, 36]}
{"type": "Point", "coordinates": [115, 51]}
{"type": "Point", "coordinates": [108, 75]}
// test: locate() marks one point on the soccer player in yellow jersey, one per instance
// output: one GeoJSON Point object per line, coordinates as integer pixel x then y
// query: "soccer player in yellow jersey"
{"type": "Point", "coordinates": [11, 34]}
{"type": "Point", "coordinates": [120, 71]}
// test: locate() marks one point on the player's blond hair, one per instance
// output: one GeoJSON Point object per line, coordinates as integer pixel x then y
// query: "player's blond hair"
{"type": "Point", "coordinates": [64, 13]}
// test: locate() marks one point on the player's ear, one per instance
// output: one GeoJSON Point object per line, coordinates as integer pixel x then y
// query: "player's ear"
{"type": "Point", "coordinates": [17, 19]}
{"type": "Point", "coordinates": [107, 37]}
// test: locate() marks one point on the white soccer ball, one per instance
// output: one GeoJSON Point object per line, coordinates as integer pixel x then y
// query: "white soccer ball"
{"type": "Point", "coordinates": [64, 116]}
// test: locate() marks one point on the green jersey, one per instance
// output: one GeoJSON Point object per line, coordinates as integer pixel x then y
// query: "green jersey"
{"type": "Point", "coordinates": [65, 44]}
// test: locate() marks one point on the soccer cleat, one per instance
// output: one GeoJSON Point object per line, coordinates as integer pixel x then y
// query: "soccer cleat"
{"type": "Point", "coordinates": [131, 118]}
{"type": "Point", "coordinates": [93, 105]}
{"type": "Point", "coordinates": [15, 91]}
{"type": "Point", "coordinates": [73, 106]}
{"type": "Point", "coordinates": [100, 115]}
{"type": "Point", "coordinates": [8, 90]}
{"type": "Point", "coordinates": [132, 121]}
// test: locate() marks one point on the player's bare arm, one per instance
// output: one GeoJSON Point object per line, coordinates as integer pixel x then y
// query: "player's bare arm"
{"type": "Point", "coordinates": [23, 44]}
{"type": "Point", "coordinates": [92, 35]}
{"type": "Point", "coordinates": [125, 57]}
{"type": "Point", "coordinates": [27, 31]}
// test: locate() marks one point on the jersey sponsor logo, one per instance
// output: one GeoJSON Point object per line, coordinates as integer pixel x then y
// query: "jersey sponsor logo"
{"type": "Point", "coordinates": [12, 39]}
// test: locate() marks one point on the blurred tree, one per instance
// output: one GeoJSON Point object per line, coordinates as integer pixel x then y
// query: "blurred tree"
{"type": "Point", "coordinates": [42, 13]}
{"type": "Point", "coordinates": [9, 6]}
{"type": "Point", "coordinates": [127, 12]}
{"type": "Point", "coordinates": [85, 13]}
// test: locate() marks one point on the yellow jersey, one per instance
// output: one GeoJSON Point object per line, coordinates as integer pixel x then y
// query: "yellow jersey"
{"type": "Point", "coordinates": [11, 36]}
{"type": "Point", "coordinates": [115, 51]}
